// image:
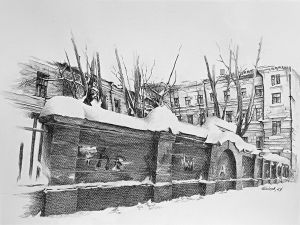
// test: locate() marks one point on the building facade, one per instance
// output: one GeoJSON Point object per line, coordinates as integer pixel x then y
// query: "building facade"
{"type": "Point", "coordinates": [274, 122]}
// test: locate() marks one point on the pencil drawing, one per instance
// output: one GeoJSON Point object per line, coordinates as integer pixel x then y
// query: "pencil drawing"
{"type": "Point", "coordinates": [99, 132]}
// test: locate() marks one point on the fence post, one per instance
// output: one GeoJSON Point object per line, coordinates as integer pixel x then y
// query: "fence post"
{"type": "Point", "coordinates": [20, 160]}
{"type": "Point", "coordinates": [38, 169]}
{"type": "Point", "coordinates": [32, 147]}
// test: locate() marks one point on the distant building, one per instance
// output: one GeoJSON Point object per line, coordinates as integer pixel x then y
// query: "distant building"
{"type": "Point", "coordinates": [273, 122]}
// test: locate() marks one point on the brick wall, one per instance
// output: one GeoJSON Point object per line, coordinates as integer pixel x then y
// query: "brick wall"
{"type": "Point", "coordinates": [178, 165]}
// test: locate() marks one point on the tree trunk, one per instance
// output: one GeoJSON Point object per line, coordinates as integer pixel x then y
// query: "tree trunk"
{"type": "Point", "coordinates": [123, 82]}
{"type": "Point", "coordinates": [213, 89]}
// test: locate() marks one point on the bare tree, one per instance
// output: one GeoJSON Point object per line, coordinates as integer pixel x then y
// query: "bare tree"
{"type": "Point", "coordinates": [234, 75]}
{"type": "Point", "coordinates": [213, 83]}
{"type": "Point", "coordinates": [161, 90]}
{"type": "Point", "coordinates": [250, 111]}
{"type": "Point", "coordinates": [83, 80]}
{"type": "Point", "coordinates": [68, 79]}
{"type": "Point", "coordinates": [134, 98]}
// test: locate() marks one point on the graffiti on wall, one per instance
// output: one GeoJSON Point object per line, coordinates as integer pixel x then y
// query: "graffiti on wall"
{"type": "Point", "coordinates": [98, 158]}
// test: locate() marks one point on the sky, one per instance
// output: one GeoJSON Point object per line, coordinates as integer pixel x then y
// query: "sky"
{"type": "Point", "coordinates": [152, 30]}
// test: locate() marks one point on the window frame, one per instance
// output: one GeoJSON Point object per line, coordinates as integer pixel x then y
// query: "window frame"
{"type": "Point", "coordinates": [200, 99]}
{"type": "Point", "coordinates": [211, 96]}
{"type": "Point", "coordinates": [187, 101]}
{"type": "Point", "coordinates": [117, 109]}
{"type": "Point", "coordinates": [276, 127]}
{"type": "Point", "coordinates": [256, 113]}
{"type": "Point", "coordinates": [176, 101]}
{"type": "Point", "coordinates": [259, 90]}
{"type": "Point", "coordinates": [275, 99]}
{"type": "Point", "coordinates": [259, 142]}
{"type": "Point", "coordinates": [41, 84]}
{"type": "Point", "coordinates": [244, 92]}
{"type": "Point", "coordinates": [275, 79]}
{"type": "Point", "coordinates": [231, 115]}
{"type": "Point", "coordinates": [190, 118]}
{"type": "Point", "coordinates": [226, 95]}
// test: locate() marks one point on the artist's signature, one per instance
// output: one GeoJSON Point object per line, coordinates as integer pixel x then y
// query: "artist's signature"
{"type": "Point", "coordinates": [272, 188]}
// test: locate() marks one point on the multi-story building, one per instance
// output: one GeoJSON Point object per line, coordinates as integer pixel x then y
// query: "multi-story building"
{"type": "Point", "coordinates": [273, 124]}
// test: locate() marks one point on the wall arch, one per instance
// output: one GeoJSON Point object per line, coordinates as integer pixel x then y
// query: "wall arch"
{"type": "Point", "coordinates": [226, 157]}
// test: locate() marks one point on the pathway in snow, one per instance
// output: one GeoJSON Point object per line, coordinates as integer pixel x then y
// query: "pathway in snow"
{"type": "Point", "coordinates": [269, 204]}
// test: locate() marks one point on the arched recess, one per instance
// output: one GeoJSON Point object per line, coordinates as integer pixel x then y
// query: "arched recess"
{"type": "Point", "coordinates": [225, 171]}
{"type": "Point", "coordinates": [225, 166]}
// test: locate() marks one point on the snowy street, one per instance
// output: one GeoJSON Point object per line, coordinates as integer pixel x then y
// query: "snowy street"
{"type": "Point", "coordinates": [268, 204]}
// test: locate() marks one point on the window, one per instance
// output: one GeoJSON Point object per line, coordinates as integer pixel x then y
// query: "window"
{"type": "Point", "coordinates": [179, 117]}
{"type": "Point", "coordinates": [226, 95]}
{"type": "Point", "coordinates": [259, 142]}
{"type": "Point", "coordinates": [187, 101]}
{"type": "Point", "coordinates": [276, 98]}
{"type": "Point", "coordinates": [258, 113]}
{"type": "Point", "coordinates": [259, 90]}
{"type": "Point", "coordinates": [229, 116]}
{"type": "Point", "coordinates": [211, 96]}
{"type": "Point", "coordinates": [276, 127]}
{"type": "Point", "coordinates": [245, 139]}
{"type": "Point", "coordinates": [117, 105]}
{"type": "Point", "coordinates": [275, 79]}
{"type": "Point", "coordinates": [243, 92]}
{"type": "Point", "coordinates": [41, 84]}
{"type": "Point", "coordinates": [176, 101]}
{"type": "Point", "coordinates": [200, 99]}
{"type": "Point", "coordinates": [190, 119]}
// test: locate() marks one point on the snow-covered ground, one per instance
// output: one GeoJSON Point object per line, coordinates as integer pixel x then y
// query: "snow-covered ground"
{"type": "Point", "coordinates": [268, 204]}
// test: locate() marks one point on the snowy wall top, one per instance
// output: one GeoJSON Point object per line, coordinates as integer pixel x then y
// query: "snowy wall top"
{"type": "Point", "coordinates": [159, 119]}
{"type": "Point", "coordinates": [276, 158]}
{"type": "Point", "coordinates": [221, 124]}
{"type": "Point", "coordinates": [221, 131]}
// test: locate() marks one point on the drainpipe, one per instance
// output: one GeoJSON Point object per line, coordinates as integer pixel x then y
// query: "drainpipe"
{"type": "Point", "coordinates": [291, 118]}
{"type": "Point", "coordinates": [263, 111]}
